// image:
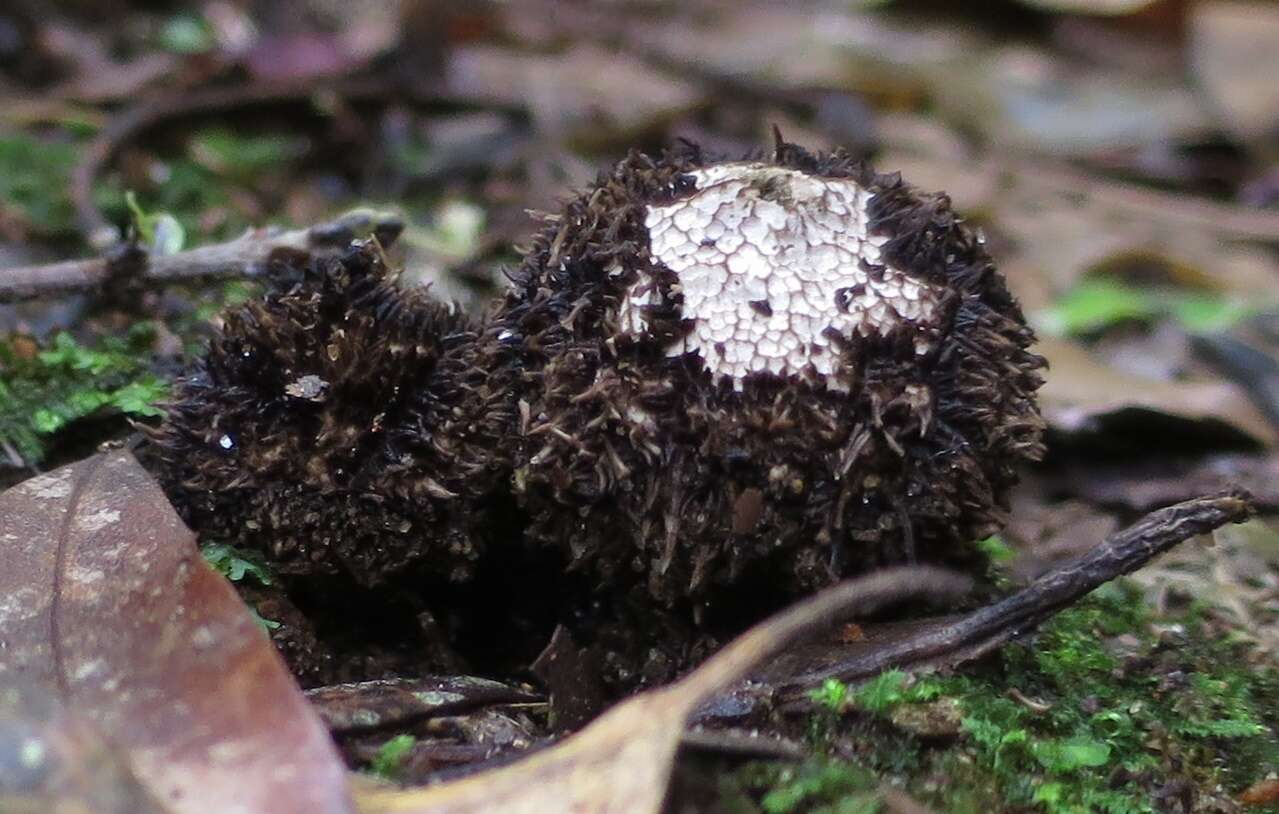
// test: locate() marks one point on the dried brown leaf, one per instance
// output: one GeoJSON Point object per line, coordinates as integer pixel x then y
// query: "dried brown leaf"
{"type": "Point", "coordinates": [1081, 394]}
{"type": "Point", "coordinates": [586, 91]}
{"type": "Point", "coordinates": [107, 603]}
{"type": "Point", "coordinates": [53, 760]}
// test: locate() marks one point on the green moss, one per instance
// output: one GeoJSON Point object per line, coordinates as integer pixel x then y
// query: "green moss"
{"type": "Point", "coordinates": [816, 786]}
{"type": "Point", "coordinates": [391, 756]}
{"type": "Point", "coordinates": [41, 395]}
{"type": "Point", "coordinates": [1095, 713]}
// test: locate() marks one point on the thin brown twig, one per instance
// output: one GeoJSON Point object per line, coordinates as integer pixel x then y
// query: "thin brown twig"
{"type": "Point", "coordinates": [246, 256]}
{"type": "Point", "coordinates": [392, 703]}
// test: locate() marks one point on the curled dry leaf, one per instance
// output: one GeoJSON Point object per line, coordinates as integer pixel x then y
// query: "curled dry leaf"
{"type": "Point", "coordinates": [1084, 396]}
{"type": "Point", "coordinates": [106, 603]}
{"type": "Point", "coordinates": [621, 763]}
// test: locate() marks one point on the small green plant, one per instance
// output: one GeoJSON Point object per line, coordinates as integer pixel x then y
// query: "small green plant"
{"type": "Point", "coordinates": [815, 786]}
{"type": "Point", "coordinates": [894, 687]}
{"type": "Point", "coordinates": [390, 757]}
{"type": "Point", "coordinates": [162, 232]}
{"type": "Point", "coordinates": [235, 563]}
{"type": "Point", "coordinates": [267, 625]}
{"type": "Point", "coordinates": [998, 551]}
{"type": "Point", "coordinates": [41, 394]}
{"type": "Point", "coordinates": [1100, 302]}
{"type": "Point", "coordinates": [832, 695]}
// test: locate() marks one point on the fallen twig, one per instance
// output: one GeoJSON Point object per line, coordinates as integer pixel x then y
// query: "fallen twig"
{"type": "Point", "coordinates": [248, 255]}
{"type": "Point", "coordinates": [953, 641]}
{"type": "Point", "coordinates": [130, 123]}
{"type": "Point", "coordinates": [398, 702]}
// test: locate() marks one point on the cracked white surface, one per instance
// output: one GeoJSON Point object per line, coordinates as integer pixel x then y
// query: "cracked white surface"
{"type": "Point", "coordinates": [770, 261]}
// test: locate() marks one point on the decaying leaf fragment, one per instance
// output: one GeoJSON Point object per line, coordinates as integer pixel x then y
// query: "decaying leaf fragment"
{"type": "Point", "coordinates": [106, 602]}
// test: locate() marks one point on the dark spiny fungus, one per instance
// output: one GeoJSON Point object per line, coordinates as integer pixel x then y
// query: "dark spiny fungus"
{"type": "Point", "coordinates": [755, 377]}
{"type": "Point", "coordinates": [712, 386]}
{"type": "Point", "coordinates": [342, 425]}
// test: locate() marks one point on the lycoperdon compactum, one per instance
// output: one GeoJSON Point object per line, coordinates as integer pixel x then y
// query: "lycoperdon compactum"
{"type": "Point", "coordinates": [751, 378]}
{"type": "Point", "coordinates": [712, 386]}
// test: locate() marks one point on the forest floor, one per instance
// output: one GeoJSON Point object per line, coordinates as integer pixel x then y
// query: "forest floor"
{"type": "Point", "coordinates": [1119, 164]}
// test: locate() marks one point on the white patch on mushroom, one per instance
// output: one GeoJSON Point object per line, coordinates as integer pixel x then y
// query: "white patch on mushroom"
{"type": "Point", "coordinates": [770, 261]}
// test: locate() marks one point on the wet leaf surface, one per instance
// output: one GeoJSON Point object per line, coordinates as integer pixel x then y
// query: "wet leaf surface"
{"type": "Point", "coordinates": [52, 760]}
{"type": "Point", "coordinates": [108, 603]}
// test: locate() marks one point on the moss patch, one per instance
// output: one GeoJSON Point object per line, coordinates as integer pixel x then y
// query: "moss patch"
{"type": "Point", "coordinates": [43, 391]}
{"type": "Point", "coordinates": [1106, 709]}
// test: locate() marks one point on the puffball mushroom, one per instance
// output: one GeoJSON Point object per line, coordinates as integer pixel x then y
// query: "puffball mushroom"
{"type": "Point", "coordinates": [768, 373]}
{"type": "Point", "coordinates": [340, 424]}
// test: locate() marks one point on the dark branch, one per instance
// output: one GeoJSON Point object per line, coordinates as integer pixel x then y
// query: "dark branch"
{"type": "Point", "coordinates": [983, 630]}
{"type": "Point", "coordinates": [952, 640]}
{"type": "Point", "coordinates": [248, 255]}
